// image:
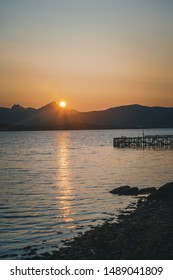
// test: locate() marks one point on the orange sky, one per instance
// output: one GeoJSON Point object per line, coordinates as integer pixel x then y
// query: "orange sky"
{"type": "Point", "coordinates": [94, 54]}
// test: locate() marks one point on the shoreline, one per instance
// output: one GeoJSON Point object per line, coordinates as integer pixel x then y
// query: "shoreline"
{"type": "Point", "coordinates": [146, 233]}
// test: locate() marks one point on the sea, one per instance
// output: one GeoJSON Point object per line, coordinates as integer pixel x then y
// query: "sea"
{"type": "Point", "coordinates": [55, 185]}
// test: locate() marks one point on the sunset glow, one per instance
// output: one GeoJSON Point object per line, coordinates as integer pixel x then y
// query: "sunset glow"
{"type": "Point", "coordinates": [62, 104]}
{"type": "Point", "coordinates": [99, 54]}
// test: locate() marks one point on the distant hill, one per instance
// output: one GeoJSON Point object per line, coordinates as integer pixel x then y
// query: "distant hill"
{"type": "Point", "coordinates": [52, 116]}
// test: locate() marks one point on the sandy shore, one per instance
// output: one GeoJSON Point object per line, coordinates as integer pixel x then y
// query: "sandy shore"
{"type": "Point", "coordinates": [147, 233]}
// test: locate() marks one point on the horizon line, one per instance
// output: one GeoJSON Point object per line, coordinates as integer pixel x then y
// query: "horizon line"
{"type": "Point", "coordinates": [68, 108]}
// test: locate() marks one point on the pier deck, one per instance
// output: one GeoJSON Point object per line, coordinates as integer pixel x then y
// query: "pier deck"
{"type": "Point", "coordinates": [144, 141]}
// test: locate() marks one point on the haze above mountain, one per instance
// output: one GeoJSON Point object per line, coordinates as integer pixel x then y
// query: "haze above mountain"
{"type": "Point", "coordinates": [51, 116]}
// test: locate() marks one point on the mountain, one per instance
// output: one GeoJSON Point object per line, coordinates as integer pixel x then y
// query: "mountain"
{"type": "Point", "coordinates": [15, 114]}
{"type": "Point", "coordinates": [131, 116]}
{"type": "Point", "coordinates": [51, 116]}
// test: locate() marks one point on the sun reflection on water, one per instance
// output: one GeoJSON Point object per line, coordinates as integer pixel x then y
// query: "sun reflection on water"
{"type": "Point", "coordinates": [65, 194]}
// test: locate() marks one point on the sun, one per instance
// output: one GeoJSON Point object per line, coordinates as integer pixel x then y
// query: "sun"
{"type": "Point", "coordinates": [62, 104]}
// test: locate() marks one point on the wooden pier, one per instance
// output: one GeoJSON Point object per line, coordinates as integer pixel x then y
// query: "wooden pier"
{"type": "Point", "coordinates": [143, 141]}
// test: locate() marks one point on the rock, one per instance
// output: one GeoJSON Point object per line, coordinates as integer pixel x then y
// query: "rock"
{"type": "Point", "coordinates": [163, 193]}
{"type": "Point", "coordinates": [125, 190]}
{"type": "Point", "coordinates": [147, 190]}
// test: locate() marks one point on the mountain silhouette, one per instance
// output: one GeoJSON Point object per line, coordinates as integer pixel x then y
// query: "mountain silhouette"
{"type": "Point", "coordinates": [51, 116]}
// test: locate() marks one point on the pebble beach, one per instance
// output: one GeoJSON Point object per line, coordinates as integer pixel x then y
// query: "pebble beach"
{"type": "Point", "coordinates": [146, 233]}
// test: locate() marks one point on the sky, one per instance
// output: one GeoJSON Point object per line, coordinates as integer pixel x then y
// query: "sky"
{"type": "Point", "coordinates": [95, 54]}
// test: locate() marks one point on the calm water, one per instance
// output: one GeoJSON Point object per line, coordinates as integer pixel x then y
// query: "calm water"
{"type": "Point", "coordinates": [55, 184]}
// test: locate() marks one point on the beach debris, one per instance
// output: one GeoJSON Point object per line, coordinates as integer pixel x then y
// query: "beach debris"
{"type": "Point", "coordinates": [92, 251]}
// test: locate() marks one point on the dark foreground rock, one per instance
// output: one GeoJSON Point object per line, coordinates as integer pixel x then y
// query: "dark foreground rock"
{"type": "Point", "coordinates": [147, 233]}
{"type": "Point", "coordinates": [126, 190]}
{"type": "Point", "coordinates": [146, 190]}
{"type": "Point", "coordinates": [163, 193]}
